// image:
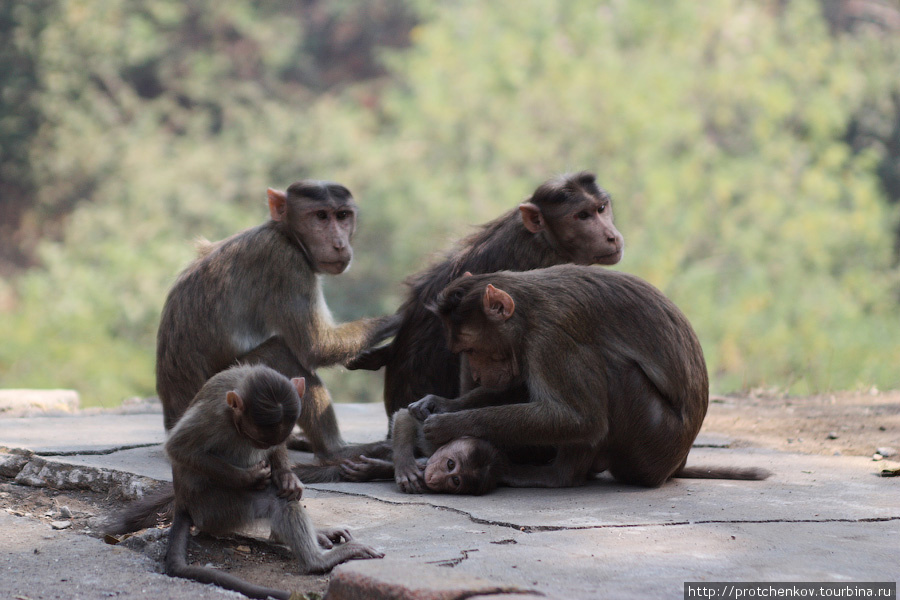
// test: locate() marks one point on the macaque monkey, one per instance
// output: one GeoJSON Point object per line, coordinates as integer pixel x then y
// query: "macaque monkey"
{"type": "Point", "coordinates": [468, 465]}
{"type": "Point", "coordinates": [568, 219]}
{"type": "Point", "coordinates": [613, 374]}
{"type": "Point", "coordinates": [255, 298]}
{"type": "Point", "coordinates": [230, 468]}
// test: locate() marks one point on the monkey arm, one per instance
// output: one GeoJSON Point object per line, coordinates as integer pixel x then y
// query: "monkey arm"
{"type": "Point", "coordinates": [406, 438]}
{"type": "Point", "coordinates": [287, 483]}
{"type": "Point", "coordinates": [342, 343]}
{"type": "Point", "coordinates": [559, 411]}
{"type": "Point", "coordinates": [476, 398]}
{"type": "Point", "coordinates": [182, 449]}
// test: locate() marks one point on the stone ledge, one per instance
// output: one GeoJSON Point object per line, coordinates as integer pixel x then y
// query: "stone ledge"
{"type": "Point", "coordinates": [408, 580]}
{"type": "Point", "coordinates": [26, 468]}
{"type": "Point", "coordinates": [17, 403]}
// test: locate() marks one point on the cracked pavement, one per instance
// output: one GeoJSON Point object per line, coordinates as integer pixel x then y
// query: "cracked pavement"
{"type": "Point", "coordinates": [818, 518]}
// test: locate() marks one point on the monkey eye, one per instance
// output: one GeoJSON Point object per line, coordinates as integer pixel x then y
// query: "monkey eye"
{"type": "Point", "coordinates": [343, 214]}
{"type": "Point", "coordinates": [321, 215]}
{"type": "Point", "coordinates": [455, 480]}
{"type": "Point", "coordinates": [450, 465]}
{"type": "Point", "coordinates": [583, 215]}
{"type": "Point", "coordinates": [602, 207]}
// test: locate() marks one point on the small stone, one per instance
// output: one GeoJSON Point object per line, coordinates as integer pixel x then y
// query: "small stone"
{"type": "Point", "coordinates": [877, 456]}
{"type": "Point", "coordinates": [886, 452]}
{"type": "Point", "coordinates": [65, 512]}
{"type": "Point", "coordinates": [244, 549]}
{"type": "Point", "coordinates": [60, 524]}
{"type": "Point", "coordinates": [833, 435]}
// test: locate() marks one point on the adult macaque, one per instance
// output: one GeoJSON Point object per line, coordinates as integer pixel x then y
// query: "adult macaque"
{"type": "Point", "coordinates": [230, 468]}
{"type": "Point", "coordinates": [255, 297]}
{"type": "Point", "coordinates": [568, 219]}
{"type": "Point", "coordinates": [614, 376]}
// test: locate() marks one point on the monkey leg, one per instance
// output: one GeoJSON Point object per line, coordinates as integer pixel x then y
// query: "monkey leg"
{"type": "Point", "coordinates": [572, 465]}
{"type": "Point", "coordinates": [177, 566]}
{"type": "Point", "coordinates": [652, 439]}
{"type": "Point", "coordinates": [291, 524]}
{"type": "Point", "coordinates": [319, 421]}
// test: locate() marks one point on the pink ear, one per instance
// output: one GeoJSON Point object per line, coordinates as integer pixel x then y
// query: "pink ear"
{"type": "Point", "coordinates": [235, 401]}
{"type": "Point", "coordinates": [277, 204]}
{"type": "Point", "coordinates": [532, 218]}
{"type": "Point", "coordinates": [498, 305]}
{"type": "Point", "coordinates": [299, 385]}
{"type": "Point", "coordinates": [467, 274]}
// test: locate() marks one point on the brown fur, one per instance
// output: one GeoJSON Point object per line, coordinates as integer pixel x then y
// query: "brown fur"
{"type": "Point", "coordinates": [615, 375]}
{"type": "Point", "coordinates": [541, 232]}
{"type": "Point", "coordinates": [229, 468]}
{"type": "Point", "coordinates": [256, 295]}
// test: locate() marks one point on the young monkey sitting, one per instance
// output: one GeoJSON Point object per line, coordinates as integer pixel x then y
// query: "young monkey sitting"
{"type": "Point", "coordinates": [230, 468]}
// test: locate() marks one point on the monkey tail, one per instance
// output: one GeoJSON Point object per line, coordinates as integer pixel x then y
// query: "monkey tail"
{"type": "Point", "coordinates": [143, 513]}
{"type": "Point", "coordinates": [177, 565]}
{"type": "Point", "coordinates": [748, 473]}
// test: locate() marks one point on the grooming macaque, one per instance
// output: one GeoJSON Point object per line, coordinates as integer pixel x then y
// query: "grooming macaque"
{"type": "Point", "coordinates": [230, 468]}
{"type": "Point", "coordinates": [614, 374]}
{"type": "Point", "coordinates": [255, 298]}
{"type": "Point", "coordinates": [568, 219]}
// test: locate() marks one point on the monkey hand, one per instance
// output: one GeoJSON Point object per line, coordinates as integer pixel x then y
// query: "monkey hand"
{"type": "Point", "coordinates": [410, 478]}
{"type": "Point", "coordinates": [438, 429]}
{"type": "Point", "coordinates": [259, 475]}
{"type": "Point", "coordinates": [327, 538]}
{"type": "Point", "coordinates": [427, 406]}
{"type": "Point", "coordinates": [364, 468]}
{"type": "Point", "coordinates": [371, 359]}
{"type": "Point", "coordinates": [288, 484]}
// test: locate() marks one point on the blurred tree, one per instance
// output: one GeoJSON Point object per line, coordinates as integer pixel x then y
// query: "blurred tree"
{"type": "Point", "coordinates": [721, 130]}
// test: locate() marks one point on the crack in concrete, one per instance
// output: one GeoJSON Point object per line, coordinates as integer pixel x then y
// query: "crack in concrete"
{"type": "Point", "coordinates": [452, 562]}
{"type": "Point", "coordinates": [551, 528]}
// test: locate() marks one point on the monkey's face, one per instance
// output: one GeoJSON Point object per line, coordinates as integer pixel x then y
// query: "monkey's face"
{"type": "Point", "coordinates": [492, 363]}
{"type": "Point", "coordinates": [445, 471]}
{"type": "Point", "coordinates": [326, 229]}
{"type": "Point", "coordinates": [585, 231]}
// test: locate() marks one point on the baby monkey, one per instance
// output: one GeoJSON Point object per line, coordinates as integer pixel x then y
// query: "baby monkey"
{"type": "Point", "coordinates": [230, 468]}
{"type": "Point", "coordinates": [465, 465]}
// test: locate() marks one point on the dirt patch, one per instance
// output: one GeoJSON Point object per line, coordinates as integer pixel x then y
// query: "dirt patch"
{"type": "Point", "coordinates": [855, 424]}
{"type": "Point", "coordinates": [250, 558]}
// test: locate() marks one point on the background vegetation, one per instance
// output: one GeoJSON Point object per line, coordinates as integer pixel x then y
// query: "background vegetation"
{"type": "Point", "coordinates": [752, 150]}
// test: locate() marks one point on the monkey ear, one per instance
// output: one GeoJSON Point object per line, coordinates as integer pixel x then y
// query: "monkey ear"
{"type": "Point", "coordinates": [532, 217]}
{"type": "Point", "coordinates": [467, 274]}
{"type": "Point", "coordinates": [235, 402]}
{"type": "Point", "coordinates": [299, 384]}
{"type": "Point", "coordinates": [498, 305]}
{"type": "Point", "coordinates": [277, 204]}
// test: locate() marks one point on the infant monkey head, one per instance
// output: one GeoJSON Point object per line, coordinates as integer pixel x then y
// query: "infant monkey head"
{"type": "Point", "coordinates": [265, 406]}
{"type": "Point", "coordinates": [464, 466]}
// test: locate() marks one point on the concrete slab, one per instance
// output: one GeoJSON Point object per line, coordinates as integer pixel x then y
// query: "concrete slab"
{"type": "Point", "coordinates": [37, 562]}
{"type": "Point", "coordinates": [818, 518]}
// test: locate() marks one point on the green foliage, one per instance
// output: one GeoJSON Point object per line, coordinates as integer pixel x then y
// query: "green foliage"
{"type": "Point", "coordinates": [719, 128]}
